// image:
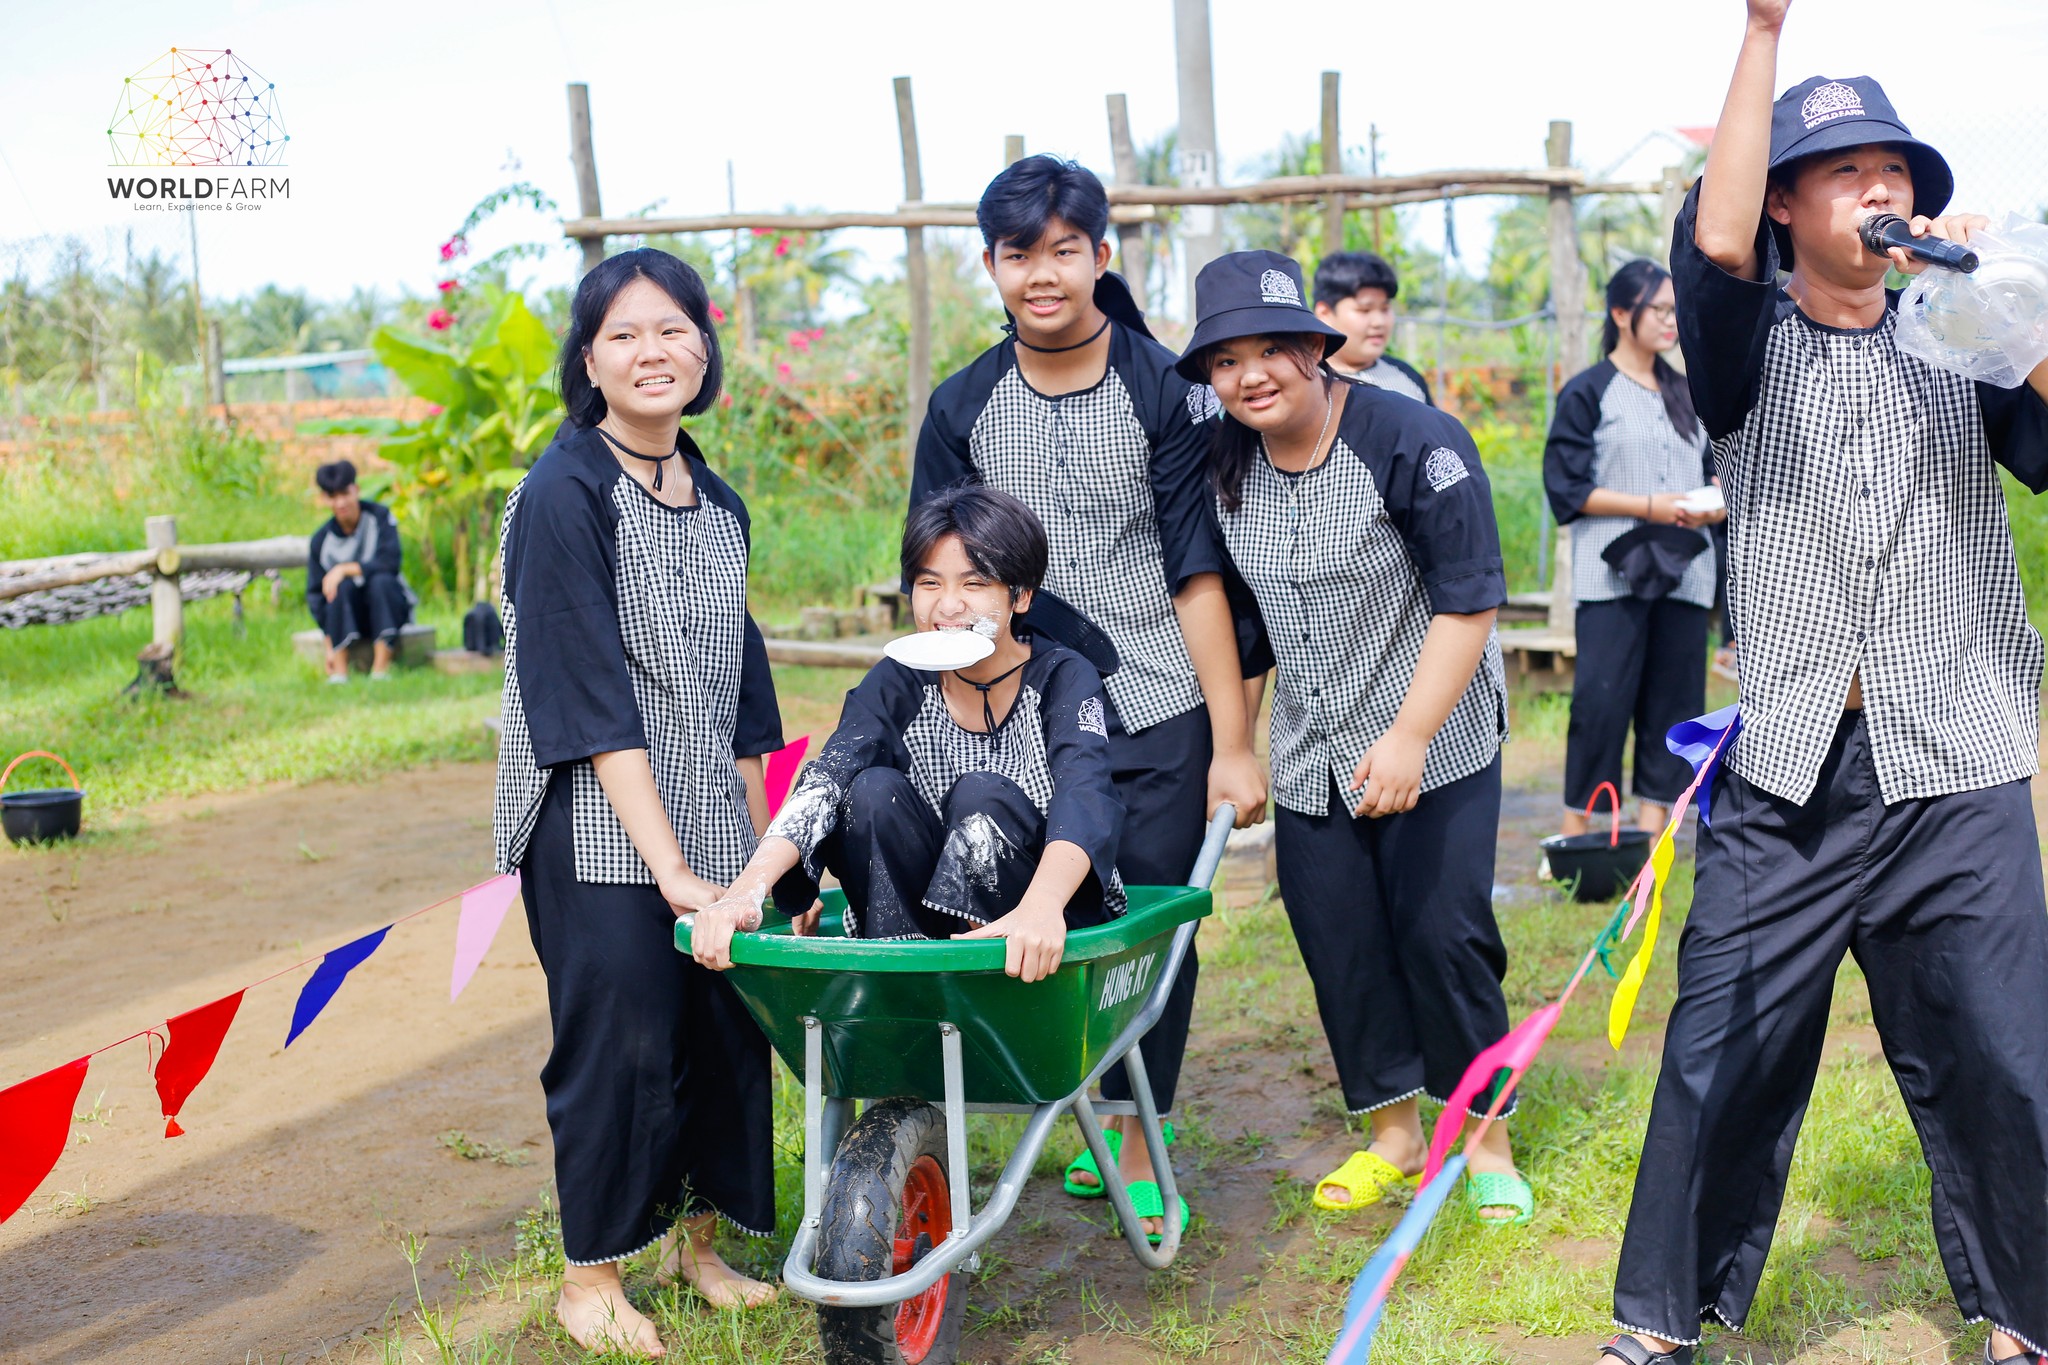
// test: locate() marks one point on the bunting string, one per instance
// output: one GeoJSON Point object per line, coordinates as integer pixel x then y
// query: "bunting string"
{"type": "Point", "coordinates": [1701, 742]}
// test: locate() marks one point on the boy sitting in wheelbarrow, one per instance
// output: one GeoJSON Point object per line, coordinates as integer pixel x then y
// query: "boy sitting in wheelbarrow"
{"type": "Point", "coordinates": [968, 798]}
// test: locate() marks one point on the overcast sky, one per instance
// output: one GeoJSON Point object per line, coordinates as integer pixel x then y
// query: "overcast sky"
{"type": "Point", "coordinates": [403, 114]}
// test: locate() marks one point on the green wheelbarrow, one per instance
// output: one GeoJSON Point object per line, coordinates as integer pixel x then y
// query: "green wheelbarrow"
{"type": "Point", "coordinates": [926, 1034]}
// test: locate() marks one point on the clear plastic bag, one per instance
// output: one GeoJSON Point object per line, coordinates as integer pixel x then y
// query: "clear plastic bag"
{"type": "Point", "coordinates": [1991, 324]}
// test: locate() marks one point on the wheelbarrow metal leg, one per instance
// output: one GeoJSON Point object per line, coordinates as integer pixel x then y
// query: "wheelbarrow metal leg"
{"type": "Point", "coordinates": [1151, 1257]}
{"type": "Point", "coordinates": [816, 1158]}
{"type": "Point", "coordinates": [956, 1129]}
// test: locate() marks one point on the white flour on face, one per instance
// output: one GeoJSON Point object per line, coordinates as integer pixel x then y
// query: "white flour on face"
{"type": "Point", "coordinates": [985, 626]}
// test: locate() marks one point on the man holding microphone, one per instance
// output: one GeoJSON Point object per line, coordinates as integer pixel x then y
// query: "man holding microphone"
{"type": "Point", "coordinates": [1876, 800]}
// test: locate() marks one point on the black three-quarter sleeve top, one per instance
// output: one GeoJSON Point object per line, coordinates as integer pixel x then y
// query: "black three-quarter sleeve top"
{"type": "Point", "coordinates": [1348, 562]}
{"type": "Point", "coordinates": [1054, 744]}
{"type": "Point", "coordinates": [1116, 474]}
{"type": "Point", "coordinates": [626, 627]}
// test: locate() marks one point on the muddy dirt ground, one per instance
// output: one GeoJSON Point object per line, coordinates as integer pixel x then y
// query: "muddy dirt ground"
{"type": "Point", "coordinates": [271, 1231]}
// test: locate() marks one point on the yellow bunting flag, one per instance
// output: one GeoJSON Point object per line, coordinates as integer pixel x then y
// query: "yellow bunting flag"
{"type": "Point", "coordinates": [1631, 983]}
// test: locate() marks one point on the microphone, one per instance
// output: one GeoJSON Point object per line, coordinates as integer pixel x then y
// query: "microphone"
{"type": "Point", "coordinates": [1882, 231]}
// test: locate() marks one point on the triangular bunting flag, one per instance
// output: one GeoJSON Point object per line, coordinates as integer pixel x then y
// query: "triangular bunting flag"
{"type": "Point", "coordinates": [194, 1042]}
{"type": "Point", "coordinates": [483, 910]}
{"type": "Point", "coordinates": [327, 978]}
{"type": "Point", "coordinates": [781, 772]}
{"type": "Point", "coordinates": [35, 1120]}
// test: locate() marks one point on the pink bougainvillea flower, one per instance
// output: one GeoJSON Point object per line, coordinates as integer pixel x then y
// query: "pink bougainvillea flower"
{"type": "Point", "coordinates": [784, 370]}
{"type": "Point", "coordinates": [762, 232]}
{"type": "Point", "coordinates": [782, 246]}
{"type": "Point", "coordinates": [440, 319]}
{"type": "Point", "coordinates": [725, 400]}
{"type": "Point", "coordinates": [800, 340]}
{"type": "Point", "coordinates": [449, 286]}
{"type": "Point", "coordinates": [717, 313]}
{"type": "Point", "coordinates": [435, 409]}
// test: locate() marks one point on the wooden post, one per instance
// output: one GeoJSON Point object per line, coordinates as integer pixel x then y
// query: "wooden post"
{"type": "Point", "coordinates": [916, 276]}
{"type": "Point", "coordinates": [1670, 200]}
{"type": "Point", "coordinates": [1130, 237]}
{"type": "Point", "coordinates": [584, 157]}
{"type": "Point", "coordinates": [1201, 225]}
{"type": "Point", "coordinates": [1333, 164]}
{"type": "Point", "coordinates": [1013, 149]}
{"type": "Point", "coordinates": [1372, 131]}
{"type": "Point", "coordinates": [156, 664]}
{"type": "Point", "coordinates": [1568, 303]}
{"type": "Point", "coordinates": [1567, 280]}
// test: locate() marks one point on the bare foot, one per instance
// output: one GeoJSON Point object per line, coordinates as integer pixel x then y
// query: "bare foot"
{"type": "Point", "coordinates": [599, 1319]}
{"type": "Point", "coordinates": [687, 1256]}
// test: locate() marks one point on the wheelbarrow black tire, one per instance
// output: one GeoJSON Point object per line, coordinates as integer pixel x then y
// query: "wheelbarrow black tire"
{"type": "Point", "coordinates": [896, 1144]}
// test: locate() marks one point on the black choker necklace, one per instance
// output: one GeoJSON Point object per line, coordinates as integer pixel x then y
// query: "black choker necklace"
{"type": "Point", "coordinates": [1011, 328]}
{"type": "Point", "coordinates": [658, 461]}
{"type": "Point", "coordinates": [988, 712]}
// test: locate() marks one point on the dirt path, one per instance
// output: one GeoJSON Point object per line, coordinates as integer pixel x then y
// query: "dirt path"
{"type": "Point", "coordinates": [270, 1231]}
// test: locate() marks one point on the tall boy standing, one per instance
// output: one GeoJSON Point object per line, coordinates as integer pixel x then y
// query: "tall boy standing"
{"type": "Point", "coordinates": [1079, 413]}
{"type": "Point", "coordinates": [1877, 798]}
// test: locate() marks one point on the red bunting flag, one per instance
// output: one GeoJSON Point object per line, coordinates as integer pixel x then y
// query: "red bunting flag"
{"type": "Point", "coordinates": [35, 1120]}
{"type": "Point", "coordinates": [195, 1038]}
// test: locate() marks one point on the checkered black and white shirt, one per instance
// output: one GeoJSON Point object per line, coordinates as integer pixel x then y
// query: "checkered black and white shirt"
{"type": "Point", "coordinates": [1116, 474]}
{"type": "Point", "coordinates": [626, 627]}
{"type": "Point", "coordinates": [1611, 432]}
{"type": "Point", "coordinates": [1866, 534]}
{"type": "Point", "coordinates": [1054, 743]}
{"type": "Point", "coordinates": [1348, 563]}
{"type": "Point", "coordinates": [1393, 374]}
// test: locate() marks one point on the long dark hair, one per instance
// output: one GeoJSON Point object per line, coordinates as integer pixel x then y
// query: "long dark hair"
{"type": "Point", "coordinates": [1633, 287]}
{"type": "Point", "coordinates": [1233, 445]}
{"type": "Point", "coordinates": [583, 400]}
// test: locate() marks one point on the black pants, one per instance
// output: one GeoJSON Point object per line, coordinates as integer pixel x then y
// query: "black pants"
{"type": "Point", "coordinates": [910, 874]}
{"type": "Point", "coordinates": [658, 1083]}
{"type": "Point", "coordinates": [1394, 919]}
{"type": "Point", "coordinates": [374, 605]}
{"type": "Point", "coordinates": [1642, 664]}
{"type": "Point", "coordinates": [1162, 778]}
{"type": "Point", "coordinates": [1941, 902]}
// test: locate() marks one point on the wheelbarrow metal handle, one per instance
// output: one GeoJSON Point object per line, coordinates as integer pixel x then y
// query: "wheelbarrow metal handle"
{"type": "Point", "coordinates": [1213, 844]}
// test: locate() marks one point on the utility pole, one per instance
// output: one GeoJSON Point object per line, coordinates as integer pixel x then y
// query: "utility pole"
{"type": "Point", "coordinates": [1201, 224]}
{"type": "Point", "coordinates": [583, 157]}
{"type": "Point", "coordinates": [198, 310]}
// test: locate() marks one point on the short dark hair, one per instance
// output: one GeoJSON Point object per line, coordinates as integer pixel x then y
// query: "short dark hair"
{"type": "Point", "coordinates": [1002, 537]}
{"type": "Point", "coordinates": [335, 476]}
{"type": "Point", "coordinates": [1341, 274]}
{"type": "Point", "coordinates": [583, 400]}
{"type": "Point", "coordinates": [1023, 201]}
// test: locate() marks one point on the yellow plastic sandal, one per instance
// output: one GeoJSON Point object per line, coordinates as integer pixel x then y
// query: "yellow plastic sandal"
{"type": "Point", "coordinates": [1363, 1176]}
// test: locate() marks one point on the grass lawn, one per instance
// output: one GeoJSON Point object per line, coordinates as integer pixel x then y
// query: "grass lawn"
{"type": "Point", "coordinates": [1853, 1274]}
{"type": "Point", "coordinates": [255, 712]}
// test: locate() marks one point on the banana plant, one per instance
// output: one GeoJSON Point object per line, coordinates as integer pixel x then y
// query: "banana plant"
{"type": "Point", "coordinates": [493, 408]}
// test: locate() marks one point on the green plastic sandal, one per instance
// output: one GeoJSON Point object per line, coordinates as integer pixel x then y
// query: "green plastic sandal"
{"type": "Point", "coordinates": [1499, 1190]}
{"type": "Point", "coordinates": [1086, 1162]}
{"type": "Point", "coordinates": [1147, 1203]}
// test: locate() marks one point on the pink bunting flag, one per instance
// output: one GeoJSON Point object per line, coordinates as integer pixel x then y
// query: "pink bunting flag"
{"type": "Point", "coordinates": [781, 772]}
{"type": "Point", "coordinates": [1511, 1054]}
{"type": "Point", "coordinates": [35, 1120]}
{"type": "Point", "coordinates": [483, 910]}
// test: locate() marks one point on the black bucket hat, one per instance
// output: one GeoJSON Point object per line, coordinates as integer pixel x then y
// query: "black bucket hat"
{"type": "Point", "coordinates": [1250, 294]}
{"type": "Point", "coordinates": [1823, 115]}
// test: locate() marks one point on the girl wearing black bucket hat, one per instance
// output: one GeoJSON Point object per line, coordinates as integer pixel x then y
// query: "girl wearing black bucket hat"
{"type": "Point", "coordinates": [1876, 800]}
{"type": "Point", "coordinates": [1363, 525]}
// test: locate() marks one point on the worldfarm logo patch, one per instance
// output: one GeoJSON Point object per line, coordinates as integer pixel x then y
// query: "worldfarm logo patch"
{"type": "Point", "coordinates": [192, 108]}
